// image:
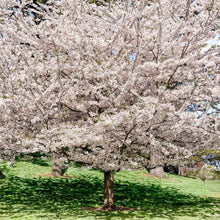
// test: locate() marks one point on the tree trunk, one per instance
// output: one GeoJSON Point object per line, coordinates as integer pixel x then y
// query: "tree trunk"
{"type": "Point", "coordinates": [56, 166]}
{"type": "Point", "coordinates": [156, 162]}
{"type": "Point", "coordinates": [1, 175]}
{"type": "Point", "coordinates": [158, 172]}
{"type": "Point", "coordinates": [109, 190]}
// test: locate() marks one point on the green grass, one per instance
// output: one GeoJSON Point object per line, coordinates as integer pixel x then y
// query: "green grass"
{"type": "Point", "coordinates": [25, 195]}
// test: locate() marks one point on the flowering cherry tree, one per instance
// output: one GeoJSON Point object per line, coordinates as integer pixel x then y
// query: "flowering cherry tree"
{"type": "Point", "coordinates": [108, 86]}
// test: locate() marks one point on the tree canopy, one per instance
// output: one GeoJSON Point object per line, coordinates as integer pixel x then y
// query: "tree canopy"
{"type": "Point", "coordinates": [106, 86]}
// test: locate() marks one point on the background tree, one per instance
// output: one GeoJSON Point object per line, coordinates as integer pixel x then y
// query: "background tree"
{"type": "Point", "coordinates": [127, 72]}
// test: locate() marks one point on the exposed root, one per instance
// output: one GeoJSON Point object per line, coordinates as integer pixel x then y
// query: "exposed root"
{"type": "Point", "coordinates": [109, 209]}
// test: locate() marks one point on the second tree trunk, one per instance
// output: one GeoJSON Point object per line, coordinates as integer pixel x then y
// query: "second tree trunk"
{"type": "Point", "coordinates": [158, 172]}
{"type": "Point", "coordinates": [1, 175]}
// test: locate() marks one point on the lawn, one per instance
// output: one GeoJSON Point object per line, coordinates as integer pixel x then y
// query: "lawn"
{"type": "Point", "coordinates": [27, 194]}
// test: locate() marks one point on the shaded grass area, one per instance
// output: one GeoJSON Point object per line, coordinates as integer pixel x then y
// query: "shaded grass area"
{"type": "Point", "coordinates": [25, 196]}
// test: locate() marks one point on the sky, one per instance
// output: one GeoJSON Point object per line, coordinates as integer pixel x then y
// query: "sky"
{"type": "Point", "coordinates": [211, 42]}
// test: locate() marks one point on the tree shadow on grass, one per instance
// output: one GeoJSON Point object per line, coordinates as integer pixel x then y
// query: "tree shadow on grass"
{"type": "Point", "coordinates": [40, 162]}
{"type": "Point", "coordinates": [60, 198]}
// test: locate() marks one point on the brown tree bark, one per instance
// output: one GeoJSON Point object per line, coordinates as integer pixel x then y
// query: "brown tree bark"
{"type": "Point", "coordinates": [156, 162]}
{"type": "Point", "coordinates": [1, 175]}
{"type": "Point", "coordinates": [158, 172]}
{"type": "Point", "coordinates": [109, 190]}
{"type": "Point", "coordinates": [56, 166]}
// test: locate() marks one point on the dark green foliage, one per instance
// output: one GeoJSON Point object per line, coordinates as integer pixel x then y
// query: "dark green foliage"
{"type": "Point", "coordinates": [19, 157]}
{"type": "Point", "coordinates": [40, 162]}
{"type": "Point", "coordinates": [35, 158]}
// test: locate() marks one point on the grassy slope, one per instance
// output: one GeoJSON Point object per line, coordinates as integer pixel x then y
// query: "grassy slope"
{"type": "Point", "coordinates": [25, 195]}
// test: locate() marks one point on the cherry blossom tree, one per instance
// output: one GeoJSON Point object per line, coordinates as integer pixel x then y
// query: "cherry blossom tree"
{"type": "Point", "coordinates": [108, 86]}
